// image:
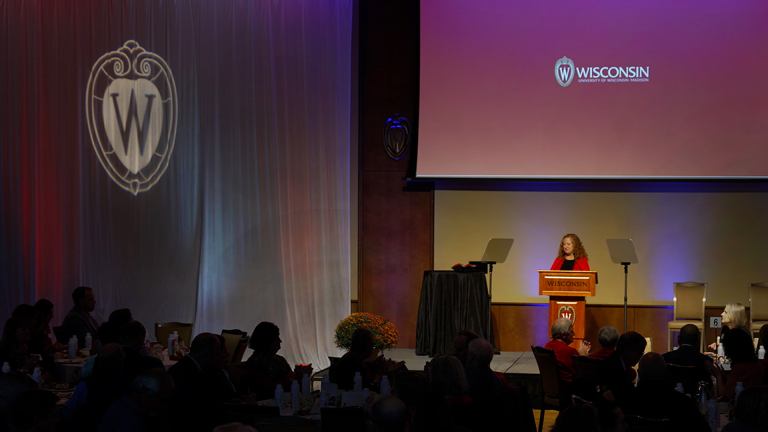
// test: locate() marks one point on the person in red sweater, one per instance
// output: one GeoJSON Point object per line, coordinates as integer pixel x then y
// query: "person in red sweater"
{"type": "Point", "coordinates": [562, 337]}
{"type": "Point", "coordinates": [571, 255]}
{"type": "Point", "coordinates": [608, 336]}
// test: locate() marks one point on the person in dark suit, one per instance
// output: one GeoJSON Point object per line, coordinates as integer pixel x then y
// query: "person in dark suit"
{"type": "Point", "coordinates": [195, 400]}
{"type": "Point", "coordinates": [132, 339]}
{"type": "Point", "coordinates": [655, 397]}
{"type": "Point", "coordinates": [78, 322]}
{"type": "Point", "coordinates": [687, 354]}
{"type": "Point", "coordinates": [613, 374]}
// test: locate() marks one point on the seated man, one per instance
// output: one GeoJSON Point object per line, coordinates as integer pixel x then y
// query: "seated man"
{"type": "Point", "coordinates": [608, 336]}
{"type": "Point", "coordinates": [614, 373]}
{"type": "Point", "coordinates": [562, 337]}
{"type": "Point", "coordinates": [132, 339]}
{"type": "Point", "coordinates": [461, 344]}
{"type": "Point", "coordinates": [656, 397]}
{"type": "Point", "coordinates": [688, 354]}
{"type": "Point", "coordinates": [79, 321]}
{"type": "Point", "coordinates": [483, 382]}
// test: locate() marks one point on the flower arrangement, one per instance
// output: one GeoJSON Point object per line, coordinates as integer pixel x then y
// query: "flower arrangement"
{"type": "Point", "coordinates": [384, 332]}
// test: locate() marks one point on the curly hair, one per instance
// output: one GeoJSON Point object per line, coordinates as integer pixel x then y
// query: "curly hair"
{"type": "Point", "coordinates": [578, 248]}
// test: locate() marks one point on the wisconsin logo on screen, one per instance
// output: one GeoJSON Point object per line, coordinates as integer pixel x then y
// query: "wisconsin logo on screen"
{"type": "Point", "coordinates": [564, 71]}
{"type": "Point", "coordinates": [132, 109]}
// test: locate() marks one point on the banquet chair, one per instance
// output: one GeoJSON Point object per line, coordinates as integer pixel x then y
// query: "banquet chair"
{"type": "Point", "coordinates": [551, 383]}
{"type": "Point", "coordinates": [689, 302]}
{"type": "Point", "coordinates": [585, 365]}
{"type": "Point", "coordinates": [686, 375]}
{"type": "Point", "coordinates": [637, 423]}
{"type": "Point", "coordinates": [163, 330]}
{"type": "Point", "coordinates": [233, 339]}
{"type": "Point", "coordinates": [758, 306]}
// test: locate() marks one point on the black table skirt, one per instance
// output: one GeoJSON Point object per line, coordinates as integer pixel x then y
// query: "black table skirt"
{"type": "Point", "coordinates": [450, 302]}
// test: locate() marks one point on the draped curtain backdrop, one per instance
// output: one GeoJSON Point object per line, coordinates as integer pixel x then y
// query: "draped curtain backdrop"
{"type": "Point", "coordinates": [248, 222]}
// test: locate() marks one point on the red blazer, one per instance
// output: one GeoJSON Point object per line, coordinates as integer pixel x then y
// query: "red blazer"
{"type": "Point", "coordinates": [563, 355]}
{"type": "Point", "coordinates": [602, 354]}
{"type": "Point", "coordinates": [580, 264]}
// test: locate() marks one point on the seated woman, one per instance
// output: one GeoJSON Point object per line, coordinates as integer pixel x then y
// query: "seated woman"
{"type": "Point", "coordinates": [446, 376]}
{"type": "Point", "coordinates": [264, 370]}
{"type": "Point", "coordinates": [744, 365]}
{"type": "Point", "coordinates": [733, 317]}
{"type": "Point", "coordinates": [571, 255]}
{"type": "Point", "coordinates": [13, 346]}
{"type": "Point", "coordinates": [43, 341]}
{"type": "Point", "coordinates": [353, 361]}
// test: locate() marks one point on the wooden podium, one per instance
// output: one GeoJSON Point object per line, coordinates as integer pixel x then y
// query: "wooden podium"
{"type": "Point", "coordinates": [566, 291]}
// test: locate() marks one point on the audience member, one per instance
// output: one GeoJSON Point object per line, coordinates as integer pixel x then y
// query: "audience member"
{"type": "Point", "coordinates": [195, 402]}
{"type": "Point", "coordinates": [562, 336]}
{"type": "Point", "coordinates": [447, 377]}
{"type": "Point", "coordinates": [750, 412]}
{"type": "Point", "coordinates": [78, 322]}
{"type": "Point", "coordinates": [762, 339]}
{"type": "Point", "coordinates": [656, 397]}
{"type": "Point", "coordinates": [610, 416]}
{"type": "Point", "coordinates": [94, 394]}
{"type": "Point", "coordinates": [26, 311]}
{"type": "Point", "coordinates": [577, 418]}
{"type": "Point", "coordinates": [433, 413]}
{"type": "Point", "coordinates": [688, 354]}
{"type": "Point", "coordinates": [34, 411]}
{"type": "Point", "coordinates": [13, 346]}
{"type": "Point", "coordinates": [733, 317]}
{"type": "Point", "coordinates": [12, 384]}
{"type": "Point", "coordinates": [482, 381]}
{"type": "Point", "coordinates": [132, 339]}
{"type": "Point", "coordinates": [264, 369]}
{"type": "Point", "coordinates": [613, 374]}
{"type": "Point", "coordinates": [353, 361]}
{"type": "Point", "coordinates": [43, 341]}
{"type": "Point", "coordinates": [389, 414]}
{"type": "Point", "coordinates": [608, 336]}
{"type": "Point", "coordinates": [221, 387]}
{"type": "Point", "coordinates": [744, 365]}
{"type": "Point", "coordinates": [235, 427]}
{"type": "Point", "coordinates": [148, 398]}
{"type": "Point", "coordinates": [461, 344]}
{"type": "Point", "coordinates": [410, 387]}
{"type": "Point", "coordinates": [109, 331]}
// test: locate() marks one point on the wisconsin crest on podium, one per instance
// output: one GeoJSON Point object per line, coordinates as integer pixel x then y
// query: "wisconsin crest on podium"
{"type": "Point", "coordinates": [567, 291]}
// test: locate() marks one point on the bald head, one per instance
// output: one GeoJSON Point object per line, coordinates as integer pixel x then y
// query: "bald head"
{"type": "Point", "coordinates": [651, 367]}
{"type": "Point", "coordinates": [389, 414]}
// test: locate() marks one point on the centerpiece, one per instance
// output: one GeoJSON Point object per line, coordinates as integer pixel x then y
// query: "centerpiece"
{"type": "Point", "coordinates": [384, 332]}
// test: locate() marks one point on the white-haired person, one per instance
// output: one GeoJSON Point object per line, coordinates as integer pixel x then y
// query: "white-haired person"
{"type": "Point", "coordinates": [562, 338]}
{"type": "Point", "coordinates": [734, 317]}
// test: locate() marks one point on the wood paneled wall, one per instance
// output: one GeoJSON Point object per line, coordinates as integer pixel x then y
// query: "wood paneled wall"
{"type": "Point", "coordinates": [395, 221]}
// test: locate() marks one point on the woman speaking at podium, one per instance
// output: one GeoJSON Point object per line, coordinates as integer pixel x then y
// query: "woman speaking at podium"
{"type": "Point", "coordinates": [571, 255]}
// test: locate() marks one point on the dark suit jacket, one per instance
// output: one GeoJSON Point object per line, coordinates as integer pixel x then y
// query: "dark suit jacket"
{"type": "Point", "coordinates": [194, 400]}
{"type": "Point", "coordinates": [687, 355]}
{"type": "Point", "coordinates": [613, 375]}
{"type": "Point", "coordinates": [135, 363]}
{"type": "Point", "coordinates": [658, 399]}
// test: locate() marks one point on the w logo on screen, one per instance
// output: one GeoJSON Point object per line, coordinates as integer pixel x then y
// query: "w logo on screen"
{"type": "Point", "coordinates": [564, 71]}
{"type": "Point", "coordinates": [131, 106]}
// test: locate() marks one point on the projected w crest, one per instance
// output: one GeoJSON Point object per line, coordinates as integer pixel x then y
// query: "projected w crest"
{"type": "Point", "coordinates": [564, 71]}
{"type": "Point", "coordinates": [131, 105]}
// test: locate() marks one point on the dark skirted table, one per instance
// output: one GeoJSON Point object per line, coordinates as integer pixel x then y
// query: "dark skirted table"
{"type": "Point", "coordinates": [450, 302]}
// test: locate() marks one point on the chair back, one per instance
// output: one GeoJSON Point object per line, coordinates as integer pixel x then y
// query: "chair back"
{"type": "Point", "coordinates": [686, 375]}
{"type": "Point", "coordinates": [585, 365]}
{"type": "Point", "coordinates": [237, 357]}
{"type": "Point", "coordinates": [550, 376]}
{"type": "Point", "coordinates": [233, 338]}
{"type": "Point", "coordinates": [348, 419]}
{"type": "Point", "coordinates": [163, 330]}
{"type": "Point", "coordinates": [637, 423]}
{"type": "Point", "coordinates": [690, 299]}
{"type": "Point", "coordinates": [758, 302]}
